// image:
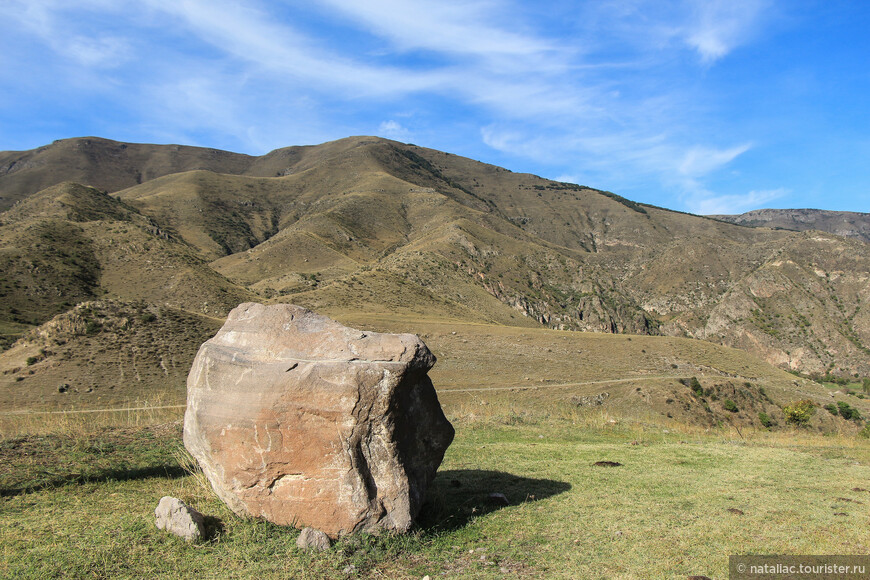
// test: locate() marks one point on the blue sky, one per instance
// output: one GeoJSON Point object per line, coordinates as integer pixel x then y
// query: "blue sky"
{"type": "Point", "coordinates": [707, 106]}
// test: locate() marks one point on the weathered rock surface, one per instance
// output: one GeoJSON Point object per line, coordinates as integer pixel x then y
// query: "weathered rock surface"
{"type": "Point", "coordinates": [302, 421]}
{"type": "Point", "coordinates": [311, 539]}
{"type": "Point", "coordinates": [175, 516]}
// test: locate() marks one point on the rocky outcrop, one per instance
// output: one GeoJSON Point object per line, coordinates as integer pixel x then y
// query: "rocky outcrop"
{"type": "Point", "coordinates": [302, 421]}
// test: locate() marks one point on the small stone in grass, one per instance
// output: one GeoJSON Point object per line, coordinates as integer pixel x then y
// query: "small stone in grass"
{"type": "Point", "coordinates": [312, 539]}
{"type": "Point", "coordinates": [736, 511]}
{"type": "Point", "coordinates": [176, 517]}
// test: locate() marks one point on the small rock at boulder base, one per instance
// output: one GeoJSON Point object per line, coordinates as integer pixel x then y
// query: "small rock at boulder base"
{"type": "Point", "coordinates": [301, 421]}
{"type": "Point", "coordinates": [175, 516]}
{"type": "Point", "coordinates": [311, 539]}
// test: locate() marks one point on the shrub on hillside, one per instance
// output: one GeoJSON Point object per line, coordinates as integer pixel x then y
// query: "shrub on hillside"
{"type": "Point", "coordinates": [848, 412]}
{"type": "Point", "coordinates": [695, 385]}
{"type": "Point", "coordinates": [799, 412]}
{"type": "Point", "coordinates": [729, 405]}
{"type": "Point", "coordinates": [765, 419]}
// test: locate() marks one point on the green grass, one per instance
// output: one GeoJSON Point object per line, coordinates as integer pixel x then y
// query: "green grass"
{"type": "Point", "coordinates": [856, 387]}
{"type": "Point", "coordinates": [82, 506]}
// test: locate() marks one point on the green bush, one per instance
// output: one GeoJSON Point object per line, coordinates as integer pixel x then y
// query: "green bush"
{"type": "Point", "coordinates": [695, 385]}
{"type": "Point", "coordinates": [848, 412]}
{"type": "Point", "coordinates": [729, 405]}
{"type": "Point", "coordinates": [765, 419]}
{"type": "Point", "coordinates": [832, 409]}
{"type": "Point", "coordinates": [32, 360]}
{"type": "Point", "coordinates": [865, 432]}
{"type": "Point", "coordinates": [799, 412]}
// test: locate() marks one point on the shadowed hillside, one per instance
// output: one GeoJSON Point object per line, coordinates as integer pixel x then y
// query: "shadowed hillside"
{"type": "Point", "coordinates": [70, 243]}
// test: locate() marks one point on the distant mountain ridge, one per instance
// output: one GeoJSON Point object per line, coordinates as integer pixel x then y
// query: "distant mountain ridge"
{"type": "Point", "coordinates": [840, 223]}
{"type": "Point", "coordinates": [113, 166]}
{"type": "Point", "coordinates": [369, 225]}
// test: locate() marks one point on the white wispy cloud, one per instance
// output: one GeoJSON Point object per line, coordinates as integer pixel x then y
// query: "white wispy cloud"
{"type": "Point", "coordinates": [248, 34]}
{"type": "Point", "coordinates": [716, 27]}
{"type": "Point", "coordinates": [393, 130]}
{"type": "Point", "coordinates": [711, 28]}
{"type": "Point", "coordinates": [592, 103]}
{"type": "Point", "coordinates": [50, 21]}
{"type": "Point", "coordinates": [734, 204]}
{"type": "Point", "coordinates": [443, 26]}
{"type": "Point", "coordinates": [106, 51]}
{"type": "Point", "coordinates": [700, 161]}
{"type": "Point", "coordinates": [627, 159]}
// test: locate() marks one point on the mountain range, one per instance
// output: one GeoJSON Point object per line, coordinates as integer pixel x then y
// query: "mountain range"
{"type": "Point", "coordinates": [98, 235]}
{"type": "Point", "coordinates": [842, 223]}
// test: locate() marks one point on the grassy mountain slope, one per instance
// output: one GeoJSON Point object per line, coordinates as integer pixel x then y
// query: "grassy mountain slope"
{"type": "Point", "coordinates": [113, 166]}
{"type": "Point", "coordinates": [71, 243]}
{"type": "Point", "coordinates": [104, 353]}
{"type": "Point", "coordinates": [104, 164]}
{"type": "Point", "coordinates": [391, 228]}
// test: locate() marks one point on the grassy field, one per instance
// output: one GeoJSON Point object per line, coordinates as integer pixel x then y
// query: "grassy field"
{"type": "Point", "coordinates": [79, 503]}
{"type": "Point", "coordinates": [78, 489]}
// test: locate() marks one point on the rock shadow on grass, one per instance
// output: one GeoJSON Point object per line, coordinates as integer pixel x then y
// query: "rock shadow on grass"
{"type": "Point", "coordinates": [49, 480]}
{"type": "Point", "coordinates": [214, 528]}
{"type": "Point", "coordinates": [456, 497]}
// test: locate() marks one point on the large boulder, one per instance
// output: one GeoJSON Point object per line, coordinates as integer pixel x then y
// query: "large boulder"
{"type": "Point", "coordinates": [302, 421]}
